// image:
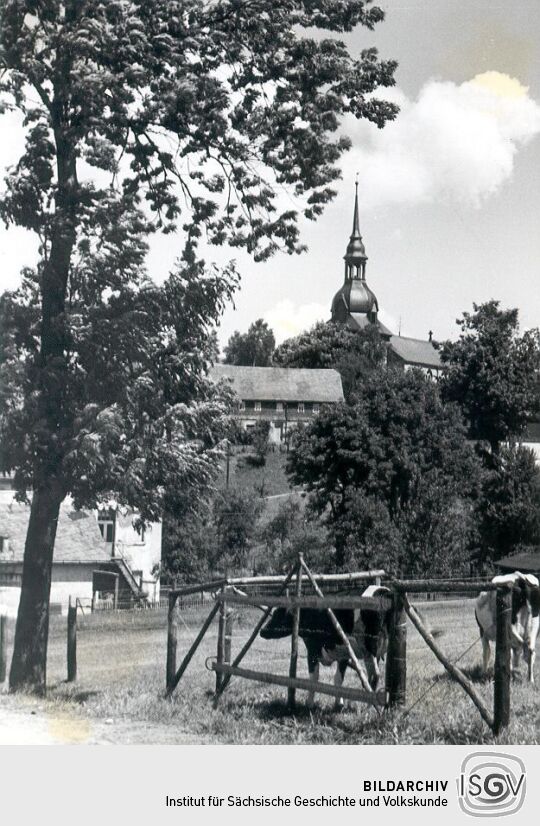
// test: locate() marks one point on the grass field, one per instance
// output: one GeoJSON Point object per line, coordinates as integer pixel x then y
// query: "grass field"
{"type": "Point", "coordinates": [121, 672]}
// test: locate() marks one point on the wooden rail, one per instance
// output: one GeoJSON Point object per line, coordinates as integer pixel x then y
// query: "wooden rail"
{"type": "Point", "coordinates": [351, 602]}
{"type": "Point", "coordinates": [416, 586]}
{"type": "Point", "coordinates": [372, 697]}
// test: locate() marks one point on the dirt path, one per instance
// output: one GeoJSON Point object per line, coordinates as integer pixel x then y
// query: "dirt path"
{"type": "Point", "coordinates": [29, 724]}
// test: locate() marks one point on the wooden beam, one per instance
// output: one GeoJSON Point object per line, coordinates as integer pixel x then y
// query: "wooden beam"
{"type": "Point", "coordinates": [291, 696]}
{"type": "Point", "coordinates": [358, 576]}
{"type": "Point", "coordinates": [303, 684]}
{"type": "Point", "coordinates": [503, 653]}
{"type": "Point", "coordinates": [3, 647]}
{"type": "Point", "coordinates": [213, 585]}
{"type": "Point", "coordinates": [396, 657]}
{"type": "Point", "coordinates": [381, 603]}
{"type": "Point", "coordinates": [416, 586]}
{"type": "Point", "coordinates": [71, 643]}
{"type": "Point", "coordinates": [452, 669]}
{"type": "Point", "coordinates": [172, 640]}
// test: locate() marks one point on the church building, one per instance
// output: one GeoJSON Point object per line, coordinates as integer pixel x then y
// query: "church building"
{"type": "Point", "coordinates": [355, 304]}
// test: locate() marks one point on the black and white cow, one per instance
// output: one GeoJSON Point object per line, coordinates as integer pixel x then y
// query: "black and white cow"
{"type": "Point", "coordinates": [525, 619]}
{"type": "Point", "coordinates": [366, 629]}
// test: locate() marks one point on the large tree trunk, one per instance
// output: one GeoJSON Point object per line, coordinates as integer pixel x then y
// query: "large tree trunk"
{"type": "Point", "coordinates": [29, 662]}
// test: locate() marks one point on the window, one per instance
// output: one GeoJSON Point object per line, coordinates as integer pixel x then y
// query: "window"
{"type": "Point", "coordinates": [258, 407]}
{"type": "Point", "coordinates": [241, 405]}
{"type": "Point", "coordinates": [106, 521]}
{"type": "Point", "coordinates": [301, 408]}
{"type": "Point", "coordinates": [316, 408]}
{"type": "Point", "coordinates": [279, 406]}
{"type": "Point", "coordinates": [3, 544]}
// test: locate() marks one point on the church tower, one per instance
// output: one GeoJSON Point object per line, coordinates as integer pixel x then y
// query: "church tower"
{"type": "Point", "coordinates": [355, 303]}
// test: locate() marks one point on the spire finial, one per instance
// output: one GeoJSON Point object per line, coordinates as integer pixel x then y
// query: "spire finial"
{"type": "Point", "coordinates": [356, 219]}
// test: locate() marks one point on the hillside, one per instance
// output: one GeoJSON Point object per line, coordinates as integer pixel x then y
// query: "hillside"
{"type": "Point", "coordinates": [268, 480]}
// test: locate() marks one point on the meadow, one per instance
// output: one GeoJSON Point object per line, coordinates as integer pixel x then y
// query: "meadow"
{"type": "Point", "coordinates": [121, 681]}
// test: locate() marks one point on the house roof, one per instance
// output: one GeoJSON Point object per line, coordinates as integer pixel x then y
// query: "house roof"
{"type": "Point", "coordinates": [78, 538]}
{"type": "Point", "coordinates": [416, 351]}
{"type": "Point", "coordinates": [527, 562]}
{"type": "Point", "coordinates": [281, 383]}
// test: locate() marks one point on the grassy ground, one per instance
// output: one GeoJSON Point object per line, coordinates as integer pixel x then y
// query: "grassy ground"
{"type": "Point", "coordinates": [121, 667]}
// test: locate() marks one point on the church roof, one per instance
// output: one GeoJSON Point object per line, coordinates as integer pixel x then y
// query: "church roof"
{"type": "Point", "coordinates": [361, 321]}
{"type": "Point", "coordinates": [78, 538]}
{"type": "Point", "coordinates": [284, 384]}
{"type": "Point", "coordinates": [416, 351]}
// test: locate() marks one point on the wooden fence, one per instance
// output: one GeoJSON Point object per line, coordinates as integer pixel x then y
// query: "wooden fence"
{"type": "Point", "coordinates": [396, 605]}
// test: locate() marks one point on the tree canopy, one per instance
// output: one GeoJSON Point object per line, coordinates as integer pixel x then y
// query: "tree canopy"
{"type": "Point", "coordinates": [353, 353]}
{"type": "Point", "coordinates": [508, 512]}
{"type": "Point", "coordinates": [173, 115]}
{"type": "Point", "coordinates": [396, 461]}
{"type": "Point", "coordinates": [493, 373]}
{"type": "Point", "coordinates": [251, 349]}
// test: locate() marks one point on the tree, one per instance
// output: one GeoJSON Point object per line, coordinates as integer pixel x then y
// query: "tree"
{"type": "Point", "coordinates": [162, 115]}
{"type": "Point", "coordinates": [493, 373]}
{"type": "Point", "coordinates": [353, 353]}
{"type": "Point", "coordinates": [508, 512]}
{"type": "Point", "coordinates": [251, 349]}
{"type": "Point", "coordinates": [396, 456]}
{"type": "Point", "coordinates": [259, 436]}
{"type": "Point", "coordinates": [235, 516]}
{"type": "Point", "coordinates": [289, 533]}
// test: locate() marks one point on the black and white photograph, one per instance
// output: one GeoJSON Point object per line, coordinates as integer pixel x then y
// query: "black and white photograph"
{"type": "Point", "coordinates": [270, 388]}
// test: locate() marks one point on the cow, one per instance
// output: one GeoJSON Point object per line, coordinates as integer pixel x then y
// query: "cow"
{"type": "Point", "coordinates": [525, 619]}
{"type": "Point", "coordinates": [366, 629]}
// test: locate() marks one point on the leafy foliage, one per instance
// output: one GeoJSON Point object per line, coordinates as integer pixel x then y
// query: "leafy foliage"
{"type": "Point", "coordinates": [353, 353]}
{"type": "Point", "coordinates": [216, 538]}
{"type": "Point", "coordinates": [139, 417]}
{"type": "Point", "coordinates": [251, 349]}
{"type": "Point", "coordinates": [394, 467]}
{"type": "Point", "coordinates": [136, 90]}
{"type": "Point", "coordinates": [509, 510]}
{"type": "Point", "coordinates": [289, 533]}
{"type": "Point", "coordinates": [493, 373]}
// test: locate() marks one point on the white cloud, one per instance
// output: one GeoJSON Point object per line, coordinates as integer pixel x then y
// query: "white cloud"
{"type": "Point", "coordinates": [286, 319]}
{"type": "Point", "coordinates": [455, 142]}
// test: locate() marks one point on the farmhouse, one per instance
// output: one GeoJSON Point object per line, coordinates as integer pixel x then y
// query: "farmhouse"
{"type": "Point", "coordinates": [355, 304]}
{"type": "Point", "coordinates": [96, 554]}
{"type": "Point", "coordinates": [282, 396]}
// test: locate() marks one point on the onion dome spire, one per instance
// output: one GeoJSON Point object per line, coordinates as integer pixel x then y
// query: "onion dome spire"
{"type": "Point", "coordinates": [355, 297]}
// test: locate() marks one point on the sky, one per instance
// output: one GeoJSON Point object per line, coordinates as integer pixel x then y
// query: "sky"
{"type": "Point", "coordinates": [449, 193]}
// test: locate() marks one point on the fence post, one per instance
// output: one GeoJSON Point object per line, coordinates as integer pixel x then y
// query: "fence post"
{"type": "Point", "coordinates": [71, 642]}
{"type": "Point", "coordinates": [229, 621]}
{"type": "Point", "coordinates": [291, 694]}
{"type": "Point", "coordinates": [221, 641]}
{"type": "Point", "coordinates": [3, 647]}
{"type": "Point", "coordinates": [503, 653]}
{"type": "Point", "coordinates": [396, 660]}
{"type": "Point", "coordinates": [172, 639]}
